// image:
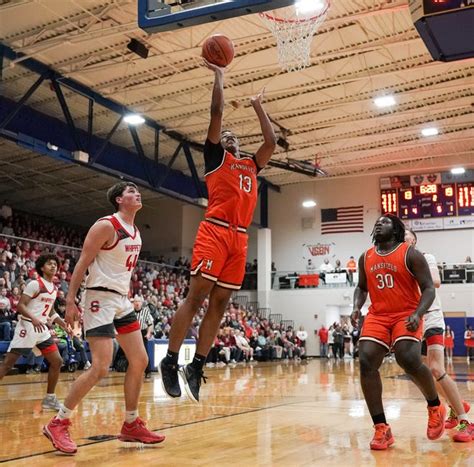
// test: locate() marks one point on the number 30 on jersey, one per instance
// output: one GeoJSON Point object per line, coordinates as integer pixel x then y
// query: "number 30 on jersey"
{"type": "Point", "coordinates": [384, 281]}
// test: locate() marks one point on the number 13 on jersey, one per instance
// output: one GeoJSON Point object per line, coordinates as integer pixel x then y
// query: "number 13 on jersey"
{"type": "Point", "coordinates": [245, 183]}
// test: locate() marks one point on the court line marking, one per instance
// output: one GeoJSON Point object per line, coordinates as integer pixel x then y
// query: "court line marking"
{"type": "Point", "coordinates": [157, 429]}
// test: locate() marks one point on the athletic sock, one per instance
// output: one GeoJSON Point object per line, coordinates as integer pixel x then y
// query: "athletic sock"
{"type": "Point", "coordinates": [198, 361]}
{"type": "Point", "coordinates": [379, 418]}
{"type": "Point", "coordinates": [131, 415]}
{"type": "Point", "coordinates": [434, 403]}
{"type": "Point", "coordinates": [462, 417]}
{"type": "Point", "coordinates": [64, 413]}
{"type": "Point", "coordinates": [171, 357]}
{"type": "Point", "coordinates": [50, 396]}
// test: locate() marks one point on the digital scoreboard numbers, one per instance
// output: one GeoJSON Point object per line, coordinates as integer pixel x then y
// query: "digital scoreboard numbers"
{"type": "Point", "coordinates": [389, 200]}
{"type": "Point", "coordinates": [429, 200]}
{"type": "Point", "coordinates": [465, 199]}
{"type": "Point", "coordinates": [425, 201]}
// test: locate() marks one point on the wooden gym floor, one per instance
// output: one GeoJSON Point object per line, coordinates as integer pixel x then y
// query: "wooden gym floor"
{"type": "Point", "coordinates": [287, 414]}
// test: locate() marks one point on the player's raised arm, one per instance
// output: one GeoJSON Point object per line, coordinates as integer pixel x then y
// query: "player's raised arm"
{"type": "Point", "coordinates": [265, 151]}
{"type": "Point", "coordinates": [217, 103]}
{"type": "Point", "coordinates": [360, 292]}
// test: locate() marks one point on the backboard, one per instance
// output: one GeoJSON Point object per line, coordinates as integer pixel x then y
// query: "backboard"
{"type": "Point", "coordinates": [166, 15]}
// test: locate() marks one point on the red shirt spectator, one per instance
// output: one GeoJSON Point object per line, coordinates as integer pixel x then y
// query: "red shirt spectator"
{"type": "Point", "coordinates": [323, 335]}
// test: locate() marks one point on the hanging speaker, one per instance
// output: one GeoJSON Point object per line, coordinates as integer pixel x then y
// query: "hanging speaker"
{"type": "Point", "coordinates": [138, 48]}
{"type": "Point", "coordinates": [446, 27]}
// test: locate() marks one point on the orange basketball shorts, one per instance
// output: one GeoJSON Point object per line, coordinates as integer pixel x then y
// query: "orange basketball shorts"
{"type": "Point", "coordinates": [387, 330]}
{"type": "Point", "coordinates": [219, 255]}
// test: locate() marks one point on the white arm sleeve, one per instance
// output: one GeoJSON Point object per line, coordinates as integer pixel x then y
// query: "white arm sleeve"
{"type": "Point", "coordinates": [32, 289]}
{"type": "Point", "coordinates": [431, 260]}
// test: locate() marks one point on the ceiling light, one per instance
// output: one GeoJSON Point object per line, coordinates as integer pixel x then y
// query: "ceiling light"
{"type": "Point", "coordinates": [432, 131]}
{"type": "Point", "coordinates": [309, 203]}
{"type": "Point", "coordinates": [458, 170]}
{"type": "Point", "coordinates": [384, 101]}
{"type": "Point", "coordinates": [308, 6]}
{"type": "Point", "coordinates": [133, 119]}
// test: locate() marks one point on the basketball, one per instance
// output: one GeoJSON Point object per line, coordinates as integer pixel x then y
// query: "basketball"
{"type": "Point", "coordinates": [218, 49]}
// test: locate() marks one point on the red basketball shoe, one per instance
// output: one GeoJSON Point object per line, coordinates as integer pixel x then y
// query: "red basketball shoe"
{"type": "Point", "coordinates": [464, 432]}
{"type": "Point", "coordinates": [137, 432]}
{"type": "Point", "coordinates": [436, 416]}
{"type": "Point", "coordinates": [57, 431]}
{"type": "Point", "coordinates": [383, 437]}
{"type": "Point", "coordinates": [452, 420]}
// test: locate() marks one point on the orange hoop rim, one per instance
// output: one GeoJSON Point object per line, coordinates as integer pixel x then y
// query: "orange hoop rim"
{"type": "Point", "coordinates": [295, 21]}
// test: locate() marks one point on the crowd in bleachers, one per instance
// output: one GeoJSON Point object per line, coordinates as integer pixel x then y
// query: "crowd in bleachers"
{"type": "Point", "coordinates": [243, 335]}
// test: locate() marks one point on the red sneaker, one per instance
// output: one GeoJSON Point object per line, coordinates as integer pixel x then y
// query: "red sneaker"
{"type": "Point", "coordinates": [383, 437]}
{"type": "Point", "coordinates": [137, 432]}
{"type": "Point", "coordinates": [57, 431]}
{"type": "Point", "coordinates": [464, 432]}
{"type": "Point", "coordinates": [436, 416]}
{"type": "Point", "coordinates": [452, 420]}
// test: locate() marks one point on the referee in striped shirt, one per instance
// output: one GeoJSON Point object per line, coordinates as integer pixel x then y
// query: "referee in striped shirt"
{"type": "Point", "coordinates": [146, 326]}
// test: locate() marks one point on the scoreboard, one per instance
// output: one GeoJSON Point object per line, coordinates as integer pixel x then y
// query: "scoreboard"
{"type": "Point", "coordinates": [429, 200]}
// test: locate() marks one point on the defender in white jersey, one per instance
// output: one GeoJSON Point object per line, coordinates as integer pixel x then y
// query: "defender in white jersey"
{"type": "Point", "coordinates": [35, 310]}
{"type": "Point", "coordinates": [433, 334]}
{"type": "Point", "coordinates": [109, 255]}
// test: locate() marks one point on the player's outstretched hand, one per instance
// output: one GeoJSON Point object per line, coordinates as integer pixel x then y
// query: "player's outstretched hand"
{"type": "Point", "coordinates": [212, 66]}
{"type": "Point", "coordinates": [413, 322]}
{"type": "Point", "coordinates": [258, 99]}
{"type": "Point", "coordinates": [72, 313]}
{"type": "Point", "coordinates": [355, 315]}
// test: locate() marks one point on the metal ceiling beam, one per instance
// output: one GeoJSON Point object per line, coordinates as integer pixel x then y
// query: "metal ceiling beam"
{"type": "Point", "coordinates": [23, 100]}
{"type": "Point", "coordinates": [80, 136]}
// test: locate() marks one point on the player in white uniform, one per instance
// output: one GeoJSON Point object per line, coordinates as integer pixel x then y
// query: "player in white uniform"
{"type": "Point", "coordinates": [109, 254]}
{"type": "Point", "coordinates": [433, 334]}
{"type": "Point", "coordinates": [35, 308]}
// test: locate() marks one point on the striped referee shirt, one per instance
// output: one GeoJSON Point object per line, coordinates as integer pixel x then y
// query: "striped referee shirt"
{"type": "Point", "coordinates": [144, 318]}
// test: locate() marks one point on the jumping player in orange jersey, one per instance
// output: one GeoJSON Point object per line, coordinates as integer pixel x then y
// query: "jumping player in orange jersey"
{"type": "Point", "coordinates": [220, 250]}
{"type": "Point", "coordinates": [109, 255]}
{"type": "Point", "coordinates": [35, 309]}
{"type": "Point", "coordinates": [393, 273]}
{"type": "Point", "coordinates": [433, 334]}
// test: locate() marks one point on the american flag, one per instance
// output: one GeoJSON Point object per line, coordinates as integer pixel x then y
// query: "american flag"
{"type": "Point", "coordinates": [342, 220]}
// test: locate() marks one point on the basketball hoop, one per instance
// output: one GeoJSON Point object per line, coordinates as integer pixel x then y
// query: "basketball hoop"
{"type": "Point", "coordinates": [294, 31]}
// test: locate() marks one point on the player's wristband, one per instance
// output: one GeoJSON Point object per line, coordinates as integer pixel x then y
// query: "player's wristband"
{"type": "Point", "coordinates": [54, 316]}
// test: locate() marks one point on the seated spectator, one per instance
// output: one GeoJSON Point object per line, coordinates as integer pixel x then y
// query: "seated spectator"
{"type": "Point", "coordinates": [63, 284]}
{"type": "Point", "coordinates": [302, 335]}
{"type": "Point", "coordinates": [14, 298]}
{"type": "Point", "coordinates": [310, 267]}
{"type": "Point", "coordinates": [324, 269]}
{"type": "Point", "coordinates": [6, 320]}
{"type": "Point", "coordinates": [274, 349]}
{"type": "Point", "coordinates": [338, 267]}
{"type": "Point", "coordinates": [243, 345]}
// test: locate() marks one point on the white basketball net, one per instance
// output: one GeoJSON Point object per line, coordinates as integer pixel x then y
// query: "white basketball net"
{"type": "Point", "coordinates": [294, 32]}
